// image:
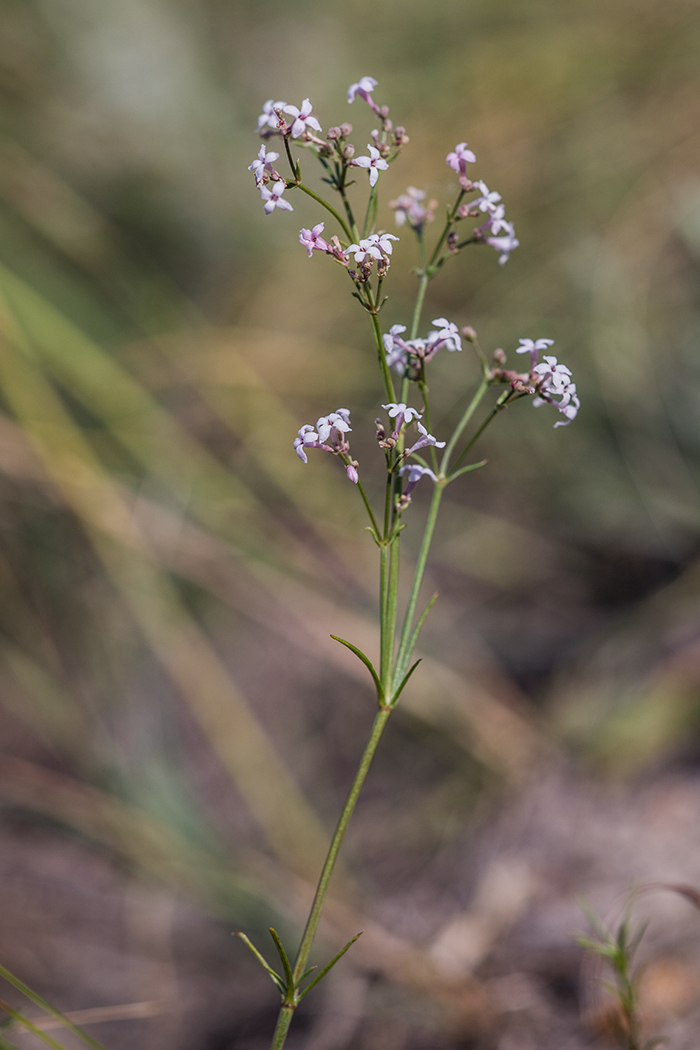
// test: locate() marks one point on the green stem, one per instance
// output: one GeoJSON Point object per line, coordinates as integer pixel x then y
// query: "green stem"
{"type": "Point", "coordinates": [350, 802]}
{"type": "Point", "coordinates": [418, 309]}
{"type": "Point", "coordinates": [469, 412]}
{"type": "Point", "coordinates": [369, 509]}
{"type": "Point", "coordinates": [328, 207]}
{"type": "Point", "coordinates": [389, 635]}
{"type": "Point", "coordinates": [443, 236]}
{"type": "Point", "coordinates": [371, 206]}
{"type": "Point", "coordinates": [388, 381]}
{"type": "Point", "coordinates": [283, 1022]}
{"type": "Point", "coordinates": [404, 654]}
{"type": "Point", "coordinates": [500, 404]}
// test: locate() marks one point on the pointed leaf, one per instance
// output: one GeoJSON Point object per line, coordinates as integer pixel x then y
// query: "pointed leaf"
{"type": "Point", "coordinates": [263, 962]}
{"type": "Point", "coordinates": [283, 956]}
{"type": "Point", "coordinates": [467, 469]}
{"type": "Point", "coordinates": [366, 661]}
{"type": "Point", "coordinates": [330, 965]}
{"type": "Point", "coordinates": [406, 677]}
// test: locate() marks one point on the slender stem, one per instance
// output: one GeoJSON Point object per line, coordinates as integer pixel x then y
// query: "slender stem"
{"type": "Point", "coordinates": [389, 638]}
{"type": "Point", "coordinates": [322, 888]}
{"type": "Point", "coordinates": [371, 206]}
{"type": "Point", "coordinates": [328, 207]}
{"type": "Point", "coordinates": [404, 654]}
{"type": "Point", "coordinates": [500, 404]}
{"type": "Point", "coordinates": [369, 509]}
{"type": "Point", "coordinates": [418, 309]}
{"type": "Point", "coordinates": [450, 219]}
{"type": "Point", "coordinates": [469, 412]}
{"type": "Point", "coordinates": [386, 374]}
{"type": "Point", "coordinates": [283, 1022]}
{"type": "Point", "coordinates": [347, 205]}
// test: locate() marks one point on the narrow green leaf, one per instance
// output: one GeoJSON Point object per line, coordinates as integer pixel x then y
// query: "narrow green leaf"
{"type": "Point", "coordinates": [285, 960]}
{"type": "Point", "coordinates": [366, 661]}
{"type": "Point", "coordinates": [49, 1009]}
{"type": "Point", "coordinates": [263, 962]}
{"type": "Point", "coordinates": [466, 470]}
{"type": "Point", "coordinates": [26, 1023]}
{"type": "Point", "coordinates": [419, 626]}
{"type": "Point", "coordinates": [330, 965]}
{"type": "Point", "coordinates": [305, 975]}
{"type": "Point", "coordinates": [406, 677]}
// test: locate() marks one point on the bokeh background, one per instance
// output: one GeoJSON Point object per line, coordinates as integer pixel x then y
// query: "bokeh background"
{"type": "Point", "coordinates": [178, 730]}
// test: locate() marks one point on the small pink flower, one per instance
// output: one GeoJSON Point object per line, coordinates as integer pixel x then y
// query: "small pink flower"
{"type": "Point", "coordinates": [302, 118]}
{"type": "Point", "coordinates": [458, 160]}
{"type": "Point", "coordinates": [312, 240]}
{"type": "Point", "coordinates": [364, 88]}
{"type": "Point", "coordinates": [505, 245]}
{"type": "Point", "coordinates": [272, 195]}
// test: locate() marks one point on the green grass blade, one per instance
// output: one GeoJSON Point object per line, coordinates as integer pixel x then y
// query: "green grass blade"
{"type": "Point", "coordinates": [31, 1027]}
{"type": "Point", "coordinates": [38, 1001]}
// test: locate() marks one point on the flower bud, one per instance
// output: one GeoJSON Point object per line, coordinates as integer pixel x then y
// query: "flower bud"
{"type": "Point", "coordinates": [499, 357]}
{"type": "Point", "coordinates": [384, 112]}
{"type": "Point", "coordinates": [334, 133]}
{"type": "Point", "coordinates": [345, 130]}
{"type": "Point", "coordinates": [400, 136]}
{"type": "Point", "coordinates": [348, 151]}
{"type": "Point", "coordinates": [470, 335]}
{"type": "Point", "coordinates": [452, 239]}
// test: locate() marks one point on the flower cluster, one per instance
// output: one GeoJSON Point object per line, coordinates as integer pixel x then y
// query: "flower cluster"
{"type": "Point", "coordinates": [495, 230]}
{"type": "Point", "coordinates": [329, 435]}
{"type": "Point", "coordinates": [403, 416]}
{"type": "Point", "coordinates": [401, 353]}
{"type": "Point", "coordinates": [549, 381]}
{"type": "Point", "coordinates": [409, 208]}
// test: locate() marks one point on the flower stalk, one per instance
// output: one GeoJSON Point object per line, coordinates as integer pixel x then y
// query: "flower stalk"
{"type": "Point", "coordinates": [406, 441]}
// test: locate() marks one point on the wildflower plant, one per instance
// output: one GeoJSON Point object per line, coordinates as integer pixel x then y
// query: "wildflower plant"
{"type": "Point", "coordinates": [351, 237]}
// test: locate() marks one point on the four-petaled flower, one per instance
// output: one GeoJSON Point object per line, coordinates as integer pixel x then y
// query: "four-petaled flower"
{"type": "Point", "coordinates": [395, 348]}
{"type": "Point", "coordinates": [312, 239]}
{"type": "Point", "coordinates": [402, 416]}
{"type": "Point", "coordinates": [375, 162]}
{"type": "Point", "coordinates": [458, 160]}
{"type": "Point", "coordinates": [488, 199]}
{"type": "Point", "coordinates": [448, 332]}
{"type": "Point", "coordinates": [505, 245]}
{"type": "Point", "coordinates": [302, 118]}
{"type": "Point", "coordinates": [533, 347]}
{"type": "Point", "coordinates": [415, 473]}
{"type": "Point", "coordinates": [424, 439]}
{"type": "Point", "coordinates": [364, 88]}
{"type": "Point", "coordinates": [334, 425]}
{"type": "Point", "coordinates": [272, 195]}
{"type": "Point", "coordinates": [268, 118]}
{"type": "Point", "coordinates": [262, 165]}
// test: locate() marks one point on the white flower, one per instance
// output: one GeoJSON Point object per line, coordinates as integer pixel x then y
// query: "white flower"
{"type": "Point", "coordinates": [533, 347]}
{"type": "Point", "coordinates": [377, 246]}
{"type": "Point", "coordinates": [402, 416]}
{"type": "Point", "coordinates": [505, 245]}
{"type": "Point", "coordinates": [302, 118]}
{"type": "Point", "coordinates": [447, 331]}
{"type": "Point", "coordinates": [375, 163]}
{"type": "Point", "coordinates": [268, 117]}
{"type": "Point", "coordinates": [338, 421]}
{"type": "Point", "coordinates": [262, 165]}
{"type": "Point", "coordinates": [488, 199]}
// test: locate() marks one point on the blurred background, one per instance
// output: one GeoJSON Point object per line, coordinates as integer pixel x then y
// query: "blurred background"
{"type": "Point", "coordinates": [178, 730]}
